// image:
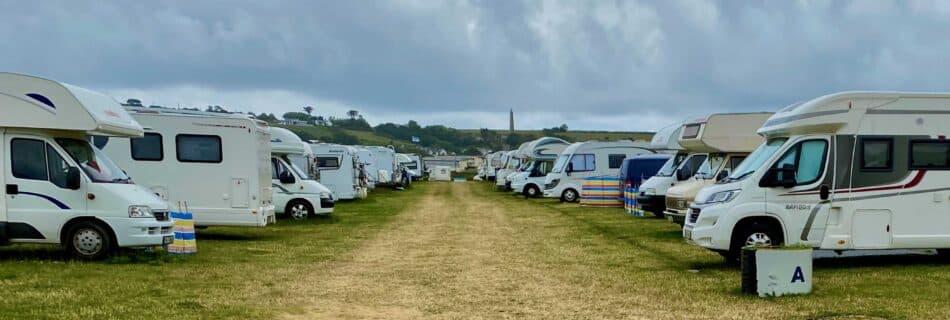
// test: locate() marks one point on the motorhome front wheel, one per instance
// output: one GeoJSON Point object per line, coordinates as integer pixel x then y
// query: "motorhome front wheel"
{"type": "Point", "coordinates": [299, 210]}
{"type": "Point", "coordinates": [532, 191]}
{"type": "Point", "coordinates": [569, 195]}
{"type": "Point", "coordinates": [88, 241]}
{"type": "Point", "coordinates": [755, 233]}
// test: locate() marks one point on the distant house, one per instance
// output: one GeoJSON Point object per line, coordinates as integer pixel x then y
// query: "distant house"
{"type": "Point", "coordinates": [294, 122]}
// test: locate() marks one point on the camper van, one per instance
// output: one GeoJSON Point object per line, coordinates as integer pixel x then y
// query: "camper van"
{"type": "Point", "coordinates": [217, 165]}
{"type": "Point", "coordinates": [509, 163]}
{"type": "Point", "coordinates": [404, 175]}
{"type": "Point", "coordinates": [295, 193]}
{"type": "Point", "coordinates": [517, 160]}
{"type": "Point", "coordinates": [724, 140]}
{"type": "Point", "coordinates": [385, 165]}
{"type": "Point", "coordinates": [845, 171]}
{"type": "Point", "coordinates": [416, 166]}
{"type": "Point", "coordinates": [58, 188]}
{"type": "Point", "coordinates": [367, 163]}
{"type": "Point", "coordinates": [634, 171]}
{"type": "Point", "coordinates": [540, 159]}
{"type": "Point", "coordinates": [492, 164]}
{"type": "Point", "coordinates": [588, 159]}
{"type": "Point", "coordinates": [339, 169]}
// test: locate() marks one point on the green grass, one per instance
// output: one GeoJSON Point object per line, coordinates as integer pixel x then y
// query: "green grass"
{"type": "Point", "coordinates": [645, 262]}
{"type": "Point", "coordinates": [237, 273]}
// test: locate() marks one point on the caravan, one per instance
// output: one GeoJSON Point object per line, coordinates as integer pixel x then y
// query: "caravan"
{"type": "Point", "coordinates": [583, 160]}
{"type": "Point", "coordinates": [851, 170]}
{"type": "Point", "coordinates": [339, 169]}
{"type": "Point", "coordinates": [723, 141]}
{"type": "Point", "coordinates": [216, 164]}
{"type": "Point", "coordinates": [60, 189]}
{"type": "Point", "coordinates": [296, 194]}
{"type": "Point", "coordinates": [540, 159]}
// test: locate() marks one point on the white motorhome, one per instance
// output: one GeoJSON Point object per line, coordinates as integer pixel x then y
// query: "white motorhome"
{"type": "Point", "coordinates": [493, 162]}
{"type": "Point", "coordinates": [404, 175]}
{"type": "Point", "coordinates": [339, 169]}
{"type": "Point", "coordinates": [845, 171]}
{"type": "Point", "coordinates": [511, 163]}
{"type": "Point", "coordinates": [58, 188]}
{"type": "Point", "coordinates": [295, 193]}
{"type": "Point", "coordinates": [367, 166]}
{"type": "Point", "coordinates": [385, 165]}
{"type": "Point", "coordinates": [217, 164]}
{"type": "Point", "coordinates": [652, 192]}
{"type": "Point", "coordinates": [583, 160]}
{"type": "Point", "coordinates": [540, 160]}
{"type": "Point", "coordinates": [415, 165]}
{"type": "Point", "coordinates": [724, 140]}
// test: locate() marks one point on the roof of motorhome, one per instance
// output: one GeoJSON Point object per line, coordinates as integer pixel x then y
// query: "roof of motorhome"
{"type": "Point", "coordinates": [284, 141]}
{"type": "Point", "coordinates": [605, 144]}
{"type": "Point", "coordinates": [667, 138]}
{"type": "Point", "coordinates": [724, 132]}
{"type": "Point", "coordinates": [34, 102]}
{"type": "Point", "coordinates": [842, 111]}
{"type": "Point", "coordinates": [259, 124]}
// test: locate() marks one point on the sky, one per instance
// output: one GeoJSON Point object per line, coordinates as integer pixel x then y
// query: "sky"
{"type": "Point", "coordinates": [594, 65]}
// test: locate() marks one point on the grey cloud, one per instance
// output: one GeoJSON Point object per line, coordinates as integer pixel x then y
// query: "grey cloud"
{"type": "Point", "coordinates": [592, 64]}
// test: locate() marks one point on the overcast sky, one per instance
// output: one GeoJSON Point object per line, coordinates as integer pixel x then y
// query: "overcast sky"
{"type": "Point", "coordinates": [604, 65]}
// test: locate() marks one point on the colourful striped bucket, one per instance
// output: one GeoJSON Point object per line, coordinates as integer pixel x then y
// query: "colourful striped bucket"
{"type": "Point", "coordinates": [184, 229]}
{"type": "Point", "coordinates": [602, 191]}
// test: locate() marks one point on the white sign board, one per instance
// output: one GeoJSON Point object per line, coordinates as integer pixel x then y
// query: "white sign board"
{"type": "Point", "coordinates": [782, 271]}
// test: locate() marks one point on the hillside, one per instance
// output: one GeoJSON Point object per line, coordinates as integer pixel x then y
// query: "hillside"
{"type": "Point", "coordinates": [458, 141]}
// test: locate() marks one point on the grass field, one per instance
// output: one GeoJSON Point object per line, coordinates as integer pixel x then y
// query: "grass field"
{"type": "Point", "coordinates": [454, 250]}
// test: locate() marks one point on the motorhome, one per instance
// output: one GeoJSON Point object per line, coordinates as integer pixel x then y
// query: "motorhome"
{"type": "Point", "coordinates": [58, 188]}
{"type": "Point", "coordinates": [583, 160]}
{"type": "Point", "coordinates": [385, 165]}
{"type": "Point", "coordinates": [845, 171]}
{"type": "Point", "coordinates": [724, 140]}
{"type": "Point", "coordinates": [367, 162]}
{"type": "Point", "coordinates": [403, 161]}
{"type": "Point", "coordinates": [339, 169]}
{"type": "Point", "coordinates": [652, 192]}
{"type": "Point", "coordinates": [493, 162]}
{"type": "Point", "coordinates": [440, 173]}
{"type": "Point", "coordinates": [415, 166]}
{"type": "Point", "coordinates": [634, 171]}
{"type": "Point", "coordinates": [218, 165]}
{"type": "Point", "coordinates": [295, 193]}
{"type": "Point", "coordinates": [509, 163]}
{"type": "Point", "coordinates": [517, 161]}
{"type": "Point", "coordinates": [540, 159]}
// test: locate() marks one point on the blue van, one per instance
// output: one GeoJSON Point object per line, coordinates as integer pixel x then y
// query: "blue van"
{"type": "Point", "coordinates": [635, 170]}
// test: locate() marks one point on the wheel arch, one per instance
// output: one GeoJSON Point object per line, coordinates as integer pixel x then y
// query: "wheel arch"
{"type": "Point", "coordinates": [766, 219]}
{"type": "Point", "coordinates": [71, 222]}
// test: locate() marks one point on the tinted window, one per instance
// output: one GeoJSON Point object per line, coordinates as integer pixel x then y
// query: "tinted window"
{"type": "Point", "coordinates": [614, 161]}
{"type": "Point", "coordinates": [277, 168]}
{"type": "Point", "coordinates": [808, 157]}
{"type": "Point", "coordinates": [583, 162]}
{"type": "Point", "coordinates": [876, 154]}
{"type": "Point", "coordinates": [328, 162]}
{"type": "Point", "coordinates": [147, 148]}
{"type": "Point", "coordinates": [929, 154]}
{"type": "Point", "coordinates": [691, 131]}
{"type": "Point", "coordinates": [28, 159]}
{"type": "Point", "coordinates": [198, 148]}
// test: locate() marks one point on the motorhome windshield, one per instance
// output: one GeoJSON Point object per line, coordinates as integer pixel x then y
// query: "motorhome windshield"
{"type": "Point", "coordinates": [560, 163]}
{"type": "Point", "coordinates": [757, 158]}
{"type": "Point", "coordinates": [669, 167]}
{"type": "Point", "coordinates": [708, 169]}
{"type": "Point", "coordinates": [300, 172]}
{"type": "Point", "coordinates": [93, 162]}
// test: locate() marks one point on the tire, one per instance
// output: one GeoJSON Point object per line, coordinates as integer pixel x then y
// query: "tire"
{"type": "Point", "coordinates": [532, 191]}
{"type": "Point", "coordinates": [88, 240]}
{"type": "Point", "coordinates": [299, 209]}
{"type": "Point", "coordinates": [752, 233]}
{"type": "Point", "coordinates": [569, 195]}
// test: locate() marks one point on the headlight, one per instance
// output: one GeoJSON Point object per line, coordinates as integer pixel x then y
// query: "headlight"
{"type": "Point", "coordinates": [553, 183]}
{"type": "Point", "coordinates": [649, 191]}
{"type": "Point", "coordinates": [140, 212]}
{"type": "Point", "coordinates": [723, 196]}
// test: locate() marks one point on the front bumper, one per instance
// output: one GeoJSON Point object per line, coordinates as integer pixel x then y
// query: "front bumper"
{"type": "Point", "coordinates": [140, 232]}
{"type": "Point", "coordinates": [703, 224]}
{"type": "Point", "coordinates": [675, 216]}
{"type": "Point", "coordinates": [652, 203]}
{"type": "Point", "coordinates": [326, 206]}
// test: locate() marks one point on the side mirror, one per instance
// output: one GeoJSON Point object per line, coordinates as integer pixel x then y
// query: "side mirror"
{"type": "Point", "coordinates": [824, 192]}
{"type": "Point", "coordinates": [72, 178]}
{"type": "Point", "coordinates": [287, 178]}
{"type": "Point", "coordinates": [682, 174]}
{"type": "Point", "coordinates": [722, 175]}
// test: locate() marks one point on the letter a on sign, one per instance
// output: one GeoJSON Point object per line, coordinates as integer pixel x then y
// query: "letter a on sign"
{"type": "Point", "coordinates": [799, 275]}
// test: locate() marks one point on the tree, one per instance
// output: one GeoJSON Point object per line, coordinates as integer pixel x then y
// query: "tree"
{"type": "Point", "coordinates": [308, 110]}
{"type": "Point", "coordinates": [352, 114]}
{"type": "Point", "coordinates": [297, 116]}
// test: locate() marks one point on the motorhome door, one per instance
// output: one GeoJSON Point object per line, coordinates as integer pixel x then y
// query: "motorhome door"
{"type": "Point", "coordinates": [798, 189]}
{"type": "Point", "coordinates": [36, 194]}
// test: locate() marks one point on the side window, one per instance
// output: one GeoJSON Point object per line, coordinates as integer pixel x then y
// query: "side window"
{"type": "Point", "coordinates": [614, 161]}
{"type": "Point", "coordinates": [693, 164]}
{"type": "Point", "coordinates": [877, 154]}
{"type": "Point", "coordinates": [583, 162]}
{"type": "Point", "coordinates": [28, 159]}
{"type": "Point", "coordinates": [147, 148]}
{"type": "Point", "coordinates": [198, 148]}
{"type": "Point", "coordinates": [58, 167]}
{"type": "Point", "coordinates": [277, 168]}
{"type": "Point", "coordinates": [929, 154]}
{"type": "Point", "coordinates": [734, 162]}
{"type": "Point", "coordinates": [808, 157]}
{"type": "Point", "coordinates": [328, 162]}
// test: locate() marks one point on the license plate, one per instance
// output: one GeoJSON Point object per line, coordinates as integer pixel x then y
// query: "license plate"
{"type": "Point", "coordinates": [168, 239]}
